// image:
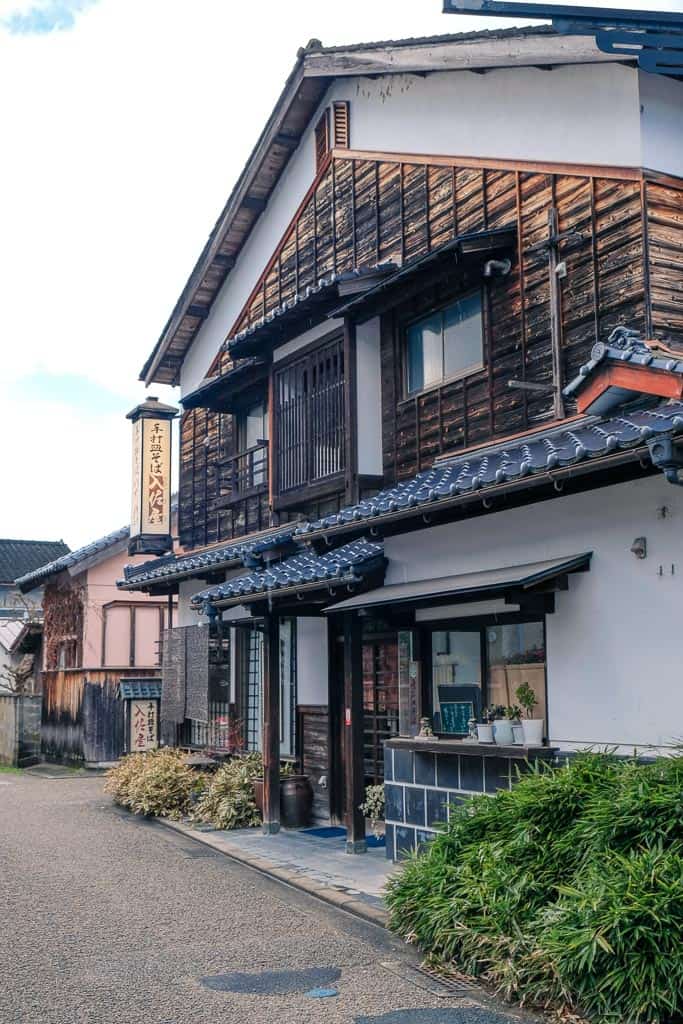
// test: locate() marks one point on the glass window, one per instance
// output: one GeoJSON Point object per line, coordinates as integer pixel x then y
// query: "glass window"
{"type": "Point", "coordinates": [516, 655]}
{"type": "Point", "coordinates": [456, 679]}
{"type": "Point", "coordinates": [446, 343]}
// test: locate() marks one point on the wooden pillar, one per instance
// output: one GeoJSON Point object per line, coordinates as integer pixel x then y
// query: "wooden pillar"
{"type": "Point", "coordinates": [351, 490]}
{"type": "Point", "coordinates": [271, 725]}
{"type": "Point", "coordinates": [353, 734]}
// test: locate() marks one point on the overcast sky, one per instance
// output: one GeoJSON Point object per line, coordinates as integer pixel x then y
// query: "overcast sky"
{"type": "Point", "coordinates": [125, 124]}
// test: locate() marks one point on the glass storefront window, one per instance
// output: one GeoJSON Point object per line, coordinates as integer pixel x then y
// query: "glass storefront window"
{"type": "Point", "coordinates": [456, 679]}
{"type": "Point", "coordinates": [515, 654]}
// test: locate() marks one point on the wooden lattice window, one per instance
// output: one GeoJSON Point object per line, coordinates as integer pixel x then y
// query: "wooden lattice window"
{"type": "Point", "coordinates": [322, 140]}
{"type": "Point", "coordinates": [341, 129]}
{"type": "Point", "coordinates": [310, 417]}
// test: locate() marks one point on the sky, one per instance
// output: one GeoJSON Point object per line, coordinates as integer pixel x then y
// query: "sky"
{"type": "Point", "coordinates": [125, 124]}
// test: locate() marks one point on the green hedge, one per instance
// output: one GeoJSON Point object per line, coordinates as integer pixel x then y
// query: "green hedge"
{"type": "Point", "coordinates": [565, 892]}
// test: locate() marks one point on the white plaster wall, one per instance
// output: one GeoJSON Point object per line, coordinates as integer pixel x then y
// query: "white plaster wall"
{"type": "Point", "coordinates": [320, 331]}
{"type": "Point", "coordinates": [563, 115]}
{"type": "Point", "coordinates": [311, 661]}
{"type": "Point", "coordinates": [662, 123]}
{"type": "Point", "coordinates": [613, 644]}
{"type": "Point", "coordinates": [369, 397]}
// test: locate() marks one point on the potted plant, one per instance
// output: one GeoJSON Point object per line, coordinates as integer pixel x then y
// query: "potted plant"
{"type": "Point", "coordinates": [532, 727]}
{"type": "Point", "coordinates": [485, 727]}
{"type": "Point", "coordinates": [373, 808]}
{"type": "Point", "coordinates": [502, 731]}
{"type": "Point", "coordinates": [513, 714]}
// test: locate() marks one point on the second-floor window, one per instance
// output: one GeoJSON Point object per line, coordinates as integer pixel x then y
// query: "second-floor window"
{"type": "Point", "coordinates": [252, 447]}
{"type": "Point", "coordinates": [447, 343]}
{"type": "Point", "coordinates": [309, 395]}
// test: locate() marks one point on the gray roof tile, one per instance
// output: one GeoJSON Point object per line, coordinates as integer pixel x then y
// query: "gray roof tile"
{"type": "Point", "coordinates": [19, 557]}
{"type": "Point", "coordinates": [347, 564]}
{"type": "Point", "coordinates": [67, 561]}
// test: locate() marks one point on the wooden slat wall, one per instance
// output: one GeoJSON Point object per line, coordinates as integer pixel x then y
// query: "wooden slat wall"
{"type": "Point", "coordinates": [360, 212]}
{"type": "Point", "coordinates": [665, 236]}
{"type": "Point", "coordinates": [313, 743]}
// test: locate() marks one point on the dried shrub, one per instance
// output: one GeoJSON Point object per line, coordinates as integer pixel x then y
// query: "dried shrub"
{"type": "Point", "coordinates": [157, 783]}
{"type": "Point", "coordinates": [228, 801]}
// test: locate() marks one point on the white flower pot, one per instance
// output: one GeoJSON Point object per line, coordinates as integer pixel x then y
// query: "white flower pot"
{"type": "Point", "coordinates": [485, 733]}
{"type": "Point", "coordinates": [533, 732]}
{"type": "Point", "coordinates": [518, 733]}
{"type": "Point", "coordinates": [502, 732]}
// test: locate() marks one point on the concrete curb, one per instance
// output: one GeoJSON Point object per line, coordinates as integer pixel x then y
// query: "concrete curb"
{"type": "Point", "coordinates": [334, 897]}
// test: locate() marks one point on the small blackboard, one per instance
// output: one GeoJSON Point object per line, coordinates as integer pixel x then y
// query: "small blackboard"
{"type": "Point", "coordinates": [455, 716]}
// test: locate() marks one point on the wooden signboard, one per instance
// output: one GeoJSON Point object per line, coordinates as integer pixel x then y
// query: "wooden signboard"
{"type": "Point", "coordinates": [144, 725]}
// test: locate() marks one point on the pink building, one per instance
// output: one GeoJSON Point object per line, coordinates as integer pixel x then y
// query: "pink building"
{"type": "Point", "coordinates": [93, 638]}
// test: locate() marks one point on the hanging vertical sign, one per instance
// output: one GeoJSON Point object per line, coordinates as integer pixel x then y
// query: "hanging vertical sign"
{"type": "Point", "coordinates": [150, 520]}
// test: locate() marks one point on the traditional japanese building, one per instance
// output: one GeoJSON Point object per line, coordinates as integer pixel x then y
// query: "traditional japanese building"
{"type": "Point", "coordinates": [94, 638]}
{"type": "Point", "coordinates": [432, 391]}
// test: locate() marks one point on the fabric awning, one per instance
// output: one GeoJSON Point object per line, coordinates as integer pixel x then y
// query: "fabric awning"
{"type": "Point", "coordinates": [465, 585]}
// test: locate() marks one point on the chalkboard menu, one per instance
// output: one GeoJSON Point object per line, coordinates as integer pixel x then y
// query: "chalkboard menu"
{"type": "Point", "coordinates": [455, 714]}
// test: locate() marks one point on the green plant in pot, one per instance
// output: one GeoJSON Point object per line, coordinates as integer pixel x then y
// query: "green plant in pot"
{"type": "Point", "coordinates": [513, 713]}
{"type": "Point", "coordinates": [532, 727]}
{"type": "Point", "coordinates": [485, 727]}
{"type": "Point", "coordinates": [373, 808]}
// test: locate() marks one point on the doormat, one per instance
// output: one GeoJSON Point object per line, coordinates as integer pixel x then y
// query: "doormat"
{"type": "Point", "coordinates": [337, 832]}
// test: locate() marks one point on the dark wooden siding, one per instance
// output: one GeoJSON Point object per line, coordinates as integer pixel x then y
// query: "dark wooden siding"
{"type": "Point", "coordinates": [664, 227]}
{"type": "Point", "coordinates": [313, 740]}
{"type": "Point", "coordinates": [366, 209]}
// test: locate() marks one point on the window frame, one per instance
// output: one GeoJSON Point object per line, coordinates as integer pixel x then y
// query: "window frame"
{"type": "Point", "coordinates": [480, 624]}
{"type": "Point", "coordinates": [319, 485]}
{"type": "Point", "coordinates": [441, 307]}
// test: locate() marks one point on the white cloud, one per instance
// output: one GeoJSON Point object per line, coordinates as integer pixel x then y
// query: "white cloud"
{"type": "Point", "coordinates": [122, 139]}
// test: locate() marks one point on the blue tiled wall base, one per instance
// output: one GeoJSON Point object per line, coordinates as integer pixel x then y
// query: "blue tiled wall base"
{"type": "Point", "coordinates": [421, 788]}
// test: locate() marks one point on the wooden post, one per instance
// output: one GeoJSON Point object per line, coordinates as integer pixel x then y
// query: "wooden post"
{"type": "Point", "coordinates": [353, 734]}
{"type": "Point", "coordinates": [271, 725]}
{"type": "Point", "coordinates": [351, 494]}
{"type": "Point", "coordinates": [555, 313]}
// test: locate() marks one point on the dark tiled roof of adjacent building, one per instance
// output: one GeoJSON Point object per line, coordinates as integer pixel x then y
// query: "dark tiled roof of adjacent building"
{"type": "Point", "coordinates": [67, 561]}
{"type": "Point", "coordinates": [19, 557]}
{"type": "Point", "coordinates": [345, 565]}
{"type": "Point", "coordinates": [173, 567]}
{"type": "Point", "coordinates": [545, 451]}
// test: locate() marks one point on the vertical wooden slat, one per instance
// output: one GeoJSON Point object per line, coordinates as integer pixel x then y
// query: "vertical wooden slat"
{"type": "Point", "coordinates": [271, 725]}
{"type": "Point", "coordinates": [353, 734]}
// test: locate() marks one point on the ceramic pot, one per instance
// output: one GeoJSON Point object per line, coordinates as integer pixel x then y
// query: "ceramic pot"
{"type": "Point", "coordinates": [485, 733]}
{"type": "Point", "coordinates": [502, 732]}
{"type": "Point", "coordinates": [533, 732]}
{"type": "Point", "coordinates": [296, 801]}
{"type": "Point", "coordinates": [517, 733]}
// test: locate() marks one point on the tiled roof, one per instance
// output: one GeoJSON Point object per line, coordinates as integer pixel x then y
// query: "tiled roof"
{"type": "Point", "coordinates": [172, 567]}
{"type": "Point", "coordinates": [316, 296]}
{"type": "Point", "coordinates": [624, 346]}
{"type": "Point", "coordinates": [18, 557]}
{"type": "Point", "coordinates": [13, 631]}
{"type": "Point", "coordinates": [68, 561]}
{"type": "Point", "coordinates": [544, 451]}
{"type": "Point", "coordinates": [346, 565]}
{"type": "Point", "coordinates": [140, 689]}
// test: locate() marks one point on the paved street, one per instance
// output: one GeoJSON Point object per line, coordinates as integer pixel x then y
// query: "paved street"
{"type": "Point", "coordinates": [107, 918]}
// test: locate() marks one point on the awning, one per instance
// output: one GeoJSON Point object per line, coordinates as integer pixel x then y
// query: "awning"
{"type": "Point", "coordinates": [140, 689]}
{"type": "Point", "coordinates": [477, 245]}
{"type": "Point", "coordinates": [464, 585]}
{"type": "Point", "coordinates": [225, 392]}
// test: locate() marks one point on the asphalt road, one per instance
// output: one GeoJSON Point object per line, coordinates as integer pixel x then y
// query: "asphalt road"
{"type": "Point", "coordinates": [110, 919]}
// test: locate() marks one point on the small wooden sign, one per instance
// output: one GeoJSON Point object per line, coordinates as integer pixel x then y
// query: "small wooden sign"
{"type": "Point", "coordinates": [144, 725]}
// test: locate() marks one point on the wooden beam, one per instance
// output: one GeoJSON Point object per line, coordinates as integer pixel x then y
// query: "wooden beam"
{"type": "Point", "coordinates": [199, 311]}
{"type": "Point", "coordinates": [287, 140]}
{"type": "Point", "coordinates": [271, 725]}
{"type": "Point", "coordinates": [224, 261]}
{"type": "Point", "coordinates": [353, 734]}
{"type": "Point", "coordinates": [350, 414]}
{"type": "Point", "coordinates": [255, 203]}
